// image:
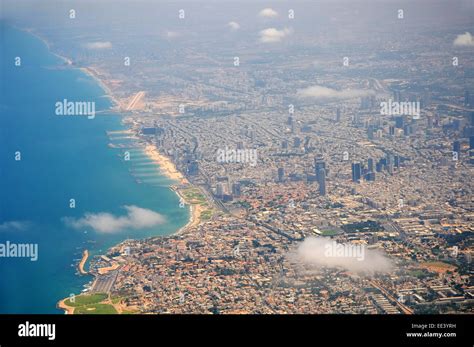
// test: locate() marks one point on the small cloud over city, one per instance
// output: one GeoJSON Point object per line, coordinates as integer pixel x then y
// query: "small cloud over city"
{"type": "Point", "coordinates": [465, 39]}
{"type": "Point", "coordinates": [324, 252]}
{"type": "Point", "coordinates": [272, 35]}
{"type": "Point", "coordinates": [233, 25]}
{"type": "Point", "coordinates": [323, 93]}
{"type": "Point", "coordinates": [98, 45]}
{"type": "Point", "coordinates": [172, 34]}
{"type": "Point", "coordinates": [104, 222]}
{"type": "Point", "coordinates": [268, 13]}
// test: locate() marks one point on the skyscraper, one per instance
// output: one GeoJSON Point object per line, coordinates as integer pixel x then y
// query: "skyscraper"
{"type": "Point", "coordinates": [389, 163]}
{"type": "Point", "coordinates": [407, 129]}
{"type": "Point", "coordinates": [281, 174]}
{"type": "Point", "coordinates": [370, 132]}
{"type": "Point", "coordinates": [391, 130]}
{"type": "Point", "coordinates": [356, 172]}
{"type": "Point", "coordinates": [322, 181]}
{"type": "Point", "coordinates": [296, 142]}
{"type": "Point", "coordinates": [290, 121]}
{"type": "Point", "coordinates": [370, 165]}
{"type": "Point", "coordinates": [379, 166]}
{"type": "Point", "coordinates": [396, 161]}
{"type": "Point", "coordinates": [399, 122]}
{"type": "Point", "coordinates": [236, 189]}
{"type": "Point", "coordinates": [220, 190]}
{"type": "Point", "coordinates": [457, 147]}
{"type": "Point", "coordinates": [319, 164]}
{"type": "Point", "coordinates": [370, 176]}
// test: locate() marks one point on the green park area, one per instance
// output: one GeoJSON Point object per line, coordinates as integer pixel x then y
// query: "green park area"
{"type": "Point", "coordinates": [86, 299]}
{"type": "Point", "coordinates": [95, 309]}
{"type": "Point", "coordinates": [194, 196]}
{"type": "Point", "coordinates": [206, 214]}
{"type": "Point", "coordinates": [91, 304]}
{"type": "Point", "coordinates": [329, 232]}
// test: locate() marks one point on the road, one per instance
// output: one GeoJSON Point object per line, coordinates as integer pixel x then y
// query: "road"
{"type": "Point", "coordinates": [401, 306]}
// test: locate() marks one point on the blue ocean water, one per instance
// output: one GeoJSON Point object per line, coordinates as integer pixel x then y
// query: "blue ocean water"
{"type": "Point", "coordinates": [62, 158]}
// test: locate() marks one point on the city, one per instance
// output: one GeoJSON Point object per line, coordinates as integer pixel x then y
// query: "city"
{"type": "Point", "coordinates": [308, 147]}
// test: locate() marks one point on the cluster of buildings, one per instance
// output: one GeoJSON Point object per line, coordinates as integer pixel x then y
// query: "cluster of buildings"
{"type": "Point", "coordinates": [378, 152]}
{"type": "Point", "coordinates": [406, 196]}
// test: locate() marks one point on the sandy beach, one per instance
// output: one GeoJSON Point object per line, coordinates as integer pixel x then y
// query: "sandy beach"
{"type": "Point", "coordinates": [195, 216]}
{"type": "Point", "coordinates": [195, 211]}
{"type": "Point", "coordinates": [167, 167]}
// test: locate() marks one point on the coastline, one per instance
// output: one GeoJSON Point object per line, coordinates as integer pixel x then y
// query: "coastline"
{"type": "Point", "coordinates": [194, 211]}
{"type": "Point", "coordinates": [47, 44]}
{"type": "Point", "coordinates": [166, 167]}
{"type": "Point", "coordinates": [92, 72]}
{"type": "Point", "coordinates": [88, 70]}
{"type": "Point", "coordinates": [62, 306]}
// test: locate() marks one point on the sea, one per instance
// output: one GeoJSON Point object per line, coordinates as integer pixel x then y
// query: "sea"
{"type": "Point", "coordinates": [48, 159]}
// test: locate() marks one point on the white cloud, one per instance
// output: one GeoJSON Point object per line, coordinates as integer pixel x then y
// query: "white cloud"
{"type": "Point", "coordinates": [323, 252]}
{"type": "Point", "coordinates": [13, 225]}
{"type": "Point", "coordinates": [103, 222]}
{"type": "Point", "coordinates": [172, 34]}
{"type": "Point", "coordinates": [271, 35]}
{"type": "Point", "coordinates": [268, 13]}
{"type": "Point", "coordinates": [233, 25]}
{"type": "Point", "coordinates": [465, 39]}
{"type": "Point", "coordinates": [98, 45]}
{"type": "Point", "coordinates": [324, 93]}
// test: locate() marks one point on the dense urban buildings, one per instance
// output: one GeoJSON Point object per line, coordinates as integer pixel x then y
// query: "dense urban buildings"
{"type": "Point", "coordinates": [327, 156]}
